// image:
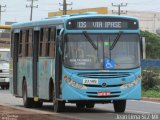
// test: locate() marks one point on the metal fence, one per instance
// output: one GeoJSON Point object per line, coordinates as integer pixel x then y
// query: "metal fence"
{"type": "Point", "coordinates": [150, 64]}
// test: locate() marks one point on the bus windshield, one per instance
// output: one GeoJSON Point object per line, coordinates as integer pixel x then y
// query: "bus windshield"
{"type": "Point", "coordinates": [80, 54]}
{"type": "Point", "coordinates": [4, 56]}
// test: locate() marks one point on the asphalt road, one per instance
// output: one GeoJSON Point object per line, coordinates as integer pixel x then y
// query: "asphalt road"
{"type": "Point", "coordinates": [100, 112]}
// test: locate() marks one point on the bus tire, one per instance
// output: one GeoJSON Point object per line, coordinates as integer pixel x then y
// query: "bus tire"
{"type": "Point", "coordinates": [27, 102]}
{"type": "Point", "coordinates": [80, 105]}
{"type": "Point", "coordinates": [90, 105]}
{"type": "Point", "coordinates": [119, 106]}
{"type": "Point", "coordinates": [7, 87]}
{"type": "Point", "coordinates": [59, 106]}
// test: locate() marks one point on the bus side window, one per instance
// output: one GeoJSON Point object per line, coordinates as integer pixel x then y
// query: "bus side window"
{"type": "Point", "coordinates": [30, 43]}
{"type": "Point", "coordinates": [20, 45]}
{"type": "Point", "coordinates": [41, 42]}
{"type": "Point", "coordinates": [50, 43]}
{"type": "Point", "coordinates": [26, 43]}
{"type": "Point", "coordinates": [45, 39]}
{"type": "Point", "coordinates": [23, 42]}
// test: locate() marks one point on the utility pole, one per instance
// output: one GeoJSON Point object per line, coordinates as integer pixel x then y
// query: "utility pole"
{"type": "Point", "coordinates": [119, 9]}
{"type": "Point", "coordinates": [2, 11]}
{"type": "Point", "coordinates": [65, 4]}
{"type": "Point", "coordinates": [154, 25]}
{"type": "Point", "coordinates": [31, 6]}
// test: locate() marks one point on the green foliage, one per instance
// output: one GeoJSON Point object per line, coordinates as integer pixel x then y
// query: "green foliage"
{"type": "Point", "coordinates": [151, 93]}
{"type": "Point", "coordinates": [156, 88]}
{"type": "Point", "coordinates": [152, 45]}
{"type": "Point", "coordinates": [151, 79]}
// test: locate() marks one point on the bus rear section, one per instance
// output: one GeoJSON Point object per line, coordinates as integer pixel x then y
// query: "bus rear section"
{"type": "Point", "coordinates": [4, 68]}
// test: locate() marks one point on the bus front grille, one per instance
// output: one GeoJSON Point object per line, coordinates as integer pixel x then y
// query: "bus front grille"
{"type": "Point", "coordinates": [117, 85]}
{"type": "Point", "coordinates": [104, 75]}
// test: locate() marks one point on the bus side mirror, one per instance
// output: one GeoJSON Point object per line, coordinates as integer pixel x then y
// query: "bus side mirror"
{"type": "Point", "coordinates": [59, 44]}
{"type": "Point", "coordinates": [143, 47]}
{"type": "Point", "coordinates": [61, 32]}
{"type": "Point", "coordinates": [59, 40]}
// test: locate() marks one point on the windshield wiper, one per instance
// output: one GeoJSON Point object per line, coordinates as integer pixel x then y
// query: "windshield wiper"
{"type": "Point", "coordinates": [115, 41]}
{"type": "Point", "coordinates": [90, 40]}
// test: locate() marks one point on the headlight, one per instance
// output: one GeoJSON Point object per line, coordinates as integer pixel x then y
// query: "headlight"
{"type": "Point", "coordinates": [139, 77]}
{"type": "Point", "coordinates": [73, 83]}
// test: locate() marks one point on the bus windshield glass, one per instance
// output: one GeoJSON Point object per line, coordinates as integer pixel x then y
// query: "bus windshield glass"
{"type": "Point", "coordinates": [80, 54]}
{"type": "Point", "coordinates": [4, 56]}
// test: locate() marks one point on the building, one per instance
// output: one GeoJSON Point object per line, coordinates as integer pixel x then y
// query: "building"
{"type": "Point", "coordinates": [149, 21]}
{"type": "Point", "coordinates": [101, 10]}
{"type": "Point", "coordinates": [5, 36]}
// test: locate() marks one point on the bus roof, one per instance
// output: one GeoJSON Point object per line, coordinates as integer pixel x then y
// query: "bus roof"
{"type": "Point", "coordinates": [57, 20]}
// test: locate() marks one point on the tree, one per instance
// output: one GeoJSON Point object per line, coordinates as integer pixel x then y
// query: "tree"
{"type": "Point", "coordinates": [152, 45]}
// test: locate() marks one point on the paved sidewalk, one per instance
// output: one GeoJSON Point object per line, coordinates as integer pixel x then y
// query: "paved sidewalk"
{"type": "Point", "coordinates": [150, 99]}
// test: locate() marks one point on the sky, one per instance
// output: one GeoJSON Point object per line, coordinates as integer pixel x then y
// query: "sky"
{"type": "Point", "coordinates": [16, 10]}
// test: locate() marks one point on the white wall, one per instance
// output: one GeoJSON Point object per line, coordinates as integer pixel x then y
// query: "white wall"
{"type": "Point", "coordinates": [149, 21]}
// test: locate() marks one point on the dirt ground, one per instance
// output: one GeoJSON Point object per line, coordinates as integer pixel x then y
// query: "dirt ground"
{"type": "Point", "coordinates": [8, 113]}
{"type": "Point", "coordinates": [151, 99]}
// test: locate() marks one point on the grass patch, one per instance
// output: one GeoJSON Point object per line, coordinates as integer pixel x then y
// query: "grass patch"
{"type": "Point", "coordinates": [151, 93]}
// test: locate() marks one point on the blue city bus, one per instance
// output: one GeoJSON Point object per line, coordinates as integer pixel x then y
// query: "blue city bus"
{"type": "Point", "coordinates": [80, 58]}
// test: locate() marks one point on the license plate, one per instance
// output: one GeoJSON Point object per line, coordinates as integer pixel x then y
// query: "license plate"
{"type": "Point", "coordinates": [104, 93]}
{"type": "Point", "coordinates": [90, 81]}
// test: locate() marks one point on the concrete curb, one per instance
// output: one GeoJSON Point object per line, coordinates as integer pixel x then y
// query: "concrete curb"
{"type": "Point", "coordinates": [150, 99]}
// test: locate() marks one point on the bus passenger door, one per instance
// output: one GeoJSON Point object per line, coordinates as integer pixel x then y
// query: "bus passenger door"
{"type": "Point", "coordinates": [58, 68]}
{"type": "Point", "coordinates": [15, 46]}
{"type": "Point", "coordinates": [46, 62]}
{"type": "Point", "coordinates": [36, 36]}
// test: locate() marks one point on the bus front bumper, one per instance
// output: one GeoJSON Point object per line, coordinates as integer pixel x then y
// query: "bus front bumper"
{"type": "Point", "coordinates": [91, 93]}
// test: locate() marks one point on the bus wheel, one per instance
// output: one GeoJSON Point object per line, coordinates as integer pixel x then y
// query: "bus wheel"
{"type": "Point", "coordinates": [90, 105]}
{"type": "Point", "coordinates": [7, 87]}
{"type": "Point", "coordinates": [119, 105]}
{"type": "Point", "coordinates": [27, 102]}
{"type": "Point", "coordinates": [59, 106]}
{"type": "Point", "coordinates": [80, 105]}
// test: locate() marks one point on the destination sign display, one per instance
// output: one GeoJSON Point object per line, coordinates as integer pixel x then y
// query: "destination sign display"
{"type": "Point", "coordinates": [102, 23]}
